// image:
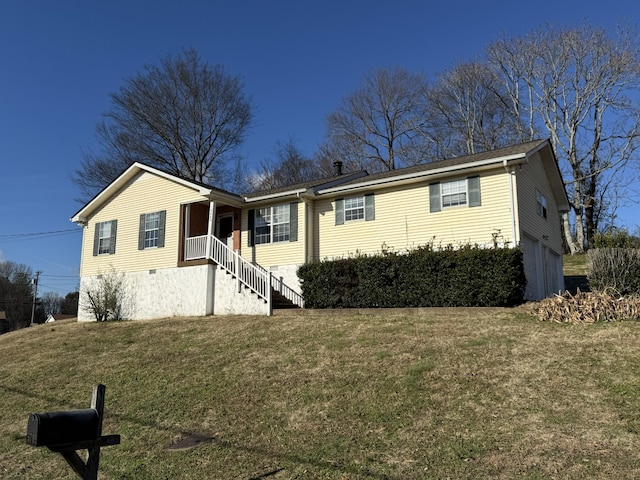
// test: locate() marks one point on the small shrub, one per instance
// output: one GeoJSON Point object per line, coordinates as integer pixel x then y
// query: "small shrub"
{"type": "Point", "coordinates": [614, 269]}
{"type": "Point", "coordinates": [104, 296]}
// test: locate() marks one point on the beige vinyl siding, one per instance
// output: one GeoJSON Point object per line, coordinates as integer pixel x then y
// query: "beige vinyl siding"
{"type": "Point", "coordinates": [403, 221]}
{"type": "Point", "coordinates": [530, 177]}
{"type": "Point", "coordinates": [279, 253]}
{"type": "Point", "coordinates": [146, 193]}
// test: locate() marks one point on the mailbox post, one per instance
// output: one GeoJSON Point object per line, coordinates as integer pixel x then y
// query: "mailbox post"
{"type": "Point", "coordinates": [67, 431]}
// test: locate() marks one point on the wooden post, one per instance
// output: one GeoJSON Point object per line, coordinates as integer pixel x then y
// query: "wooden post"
{"type": "Point", "coordinates": [211, 227]}
{"type": "Point", "coordinates": [238, 267]}
{"type": "Point", "coordinates": [93, 457]}
{"type": "Point", "coordinates": [269, 294]}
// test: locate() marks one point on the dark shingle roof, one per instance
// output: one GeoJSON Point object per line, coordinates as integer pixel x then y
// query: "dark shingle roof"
{"type": "Point", "coordinates": [521, 148]}
{"type": "Point", "coordinates": [363, 176]}
{"type": "Point", "coordinates": [305, 185]}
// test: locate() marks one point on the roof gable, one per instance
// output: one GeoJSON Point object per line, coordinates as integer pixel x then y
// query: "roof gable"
{"type": "Point", "coordinates": [136, 169]}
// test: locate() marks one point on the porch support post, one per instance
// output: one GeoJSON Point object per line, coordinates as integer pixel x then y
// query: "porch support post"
{"type": "Point", "coordinates": [238, 266]}
{"type": "Point", "coordinates": [269, 290]}
{"type": "Point", "coordinates": [187, 221]}
{"type": "Point", "coordinates": [211, 227]}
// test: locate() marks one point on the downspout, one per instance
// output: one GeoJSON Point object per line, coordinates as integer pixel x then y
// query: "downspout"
{"type": "Point", "coordinates": [510, 172]}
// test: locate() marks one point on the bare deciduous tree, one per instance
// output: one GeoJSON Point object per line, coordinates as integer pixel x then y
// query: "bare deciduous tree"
{"type": "Point", "coordinates": [380, 126]}
{"type": "Point", "coordinates": [51, 303]}
{"type": "Point", "coordinates": [287, 166]}
{"type": "Point", "coordinates": [469, 112]}
{"type": "Point", "coordinates": [183, 116]}
{"type": "Point", "coordinates": [580, 85]}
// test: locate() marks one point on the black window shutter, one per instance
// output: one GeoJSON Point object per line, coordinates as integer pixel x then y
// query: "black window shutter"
{"type": "Point", "coordinates": [293, 222]}
{"type": "Point", "coordinates": [369, 207]}
{"type": "Point", "coordinates": [96, 240]}
{"type": "Point", "coordinates": [434, 197]}
{"type": "Point", "coordinates": [161, 228]}
{"type": "Point", "coordinates": [250, 227]}
{"type": "Point", "coordinates": [141, 232]}
{"type": "Point", "coordinates": [473, 185]}
{"type": "Point", "coordinates": [112, 243]}
{"type": "Point", "coordinates": [340, 211]}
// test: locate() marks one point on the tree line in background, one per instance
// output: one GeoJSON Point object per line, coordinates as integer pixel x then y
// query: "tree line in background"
{"type": "Point", "coordinates": [17, 298]}
{"type": "Point", "coordinates": [577, 86]}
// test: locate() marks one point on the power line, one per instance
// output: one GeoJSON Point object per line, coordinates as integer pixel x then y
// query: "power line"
{"type": "Point", "coordinates": [60, 289]}
{"type": "Point", "coordinates": [61, 276]}
{"type": "Point", "coordinates": [9, 236]}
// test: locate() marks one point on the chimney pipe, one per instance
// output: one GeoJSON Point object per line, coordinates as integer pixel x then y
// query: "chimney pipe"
{"type": "Point", "coordinates": [337, 168]}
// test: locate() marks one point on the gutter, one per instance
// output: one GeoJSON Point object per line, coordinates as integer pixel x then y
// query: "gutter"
{"type": "Point", "coordinates": [271, 196]}
{"type": "Point", "coordinates": [428, 173]}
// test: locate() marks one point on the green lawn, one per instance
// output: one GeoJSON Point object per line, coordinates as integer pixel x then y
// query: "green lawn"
{"type": "Point", "coordinates": [575, 264]}
{"type": "Point", "coordinates": [442, 393]}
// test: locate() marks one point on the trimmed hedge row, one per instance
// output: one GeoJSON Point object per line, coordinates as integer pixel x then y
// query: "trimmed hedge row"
{"type": "Point", "coordinates": [464, 277]}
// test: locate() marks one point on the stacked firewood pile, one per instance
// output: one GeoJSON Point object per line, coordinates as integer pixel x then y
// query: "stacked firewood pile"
{"type": "Point", "coordinates": [588, 307]}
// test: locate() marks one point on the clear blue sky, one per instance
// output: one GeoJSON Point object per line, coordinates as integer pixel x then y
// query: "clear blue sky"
{"type": "Point", "coordinates": [60, 61]}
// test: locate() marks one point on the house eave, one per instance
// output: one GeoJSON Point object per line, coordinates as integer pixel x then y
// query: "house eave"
{"type": "Point", "coordinates": [307, 192]}
{"type": "Point", "coordinates": [82, 215]}
{"type": "Point", "coordinates": [228, 199]}
{"type": "Point", "coordinates": [435, 173]}
{"type": "Point", "coordinates": [271, 196]}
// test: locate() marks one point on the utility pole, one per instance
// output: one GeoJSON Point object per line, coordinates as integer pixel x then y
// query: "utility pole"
{"type": "Point", "coordinates": [35, 295]}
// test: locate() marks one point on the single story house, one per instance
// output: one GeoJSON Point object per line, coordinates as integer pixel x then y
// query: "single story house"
{"type": "Point", "coordinates": [184, 248]}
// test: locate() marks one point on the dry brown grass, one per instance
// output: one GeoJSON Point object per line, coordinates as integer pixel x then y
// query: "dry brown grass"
{"type": "Point", "coordinates": [437, 393]}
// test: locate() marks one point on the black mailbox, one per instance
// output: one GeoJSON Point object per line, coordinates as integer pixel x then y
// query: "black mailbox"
{"type": "Point", "coordinates": [56, 428]}
{"type": "Point", "coordinates": [71, 430]}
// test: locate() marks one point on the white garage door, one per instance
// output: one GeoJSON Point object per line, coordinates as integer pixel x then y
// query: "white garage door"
{"type": "Point", "coordinates": [532, 264]}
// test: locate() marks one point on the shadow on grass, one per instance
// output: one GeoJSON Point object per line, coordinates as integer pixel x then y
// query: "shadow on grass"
{"type": "Point", "coordinates": [292, 458]}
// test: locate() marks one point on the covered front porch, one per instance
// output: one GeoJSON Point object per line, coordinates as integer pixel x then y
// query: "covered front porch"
{"type": "Point", "coordinates": [203, 221]}
{"type": "Point", "coordinates": [211, 233]}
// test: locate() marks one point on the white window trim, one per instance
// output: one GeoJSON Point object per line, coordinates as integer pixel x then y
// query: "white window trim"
{"type": "Point", "coordinates": [444, 185]}
{"type": "Point", "coordinates": [260, 222]}
{"type": "Point", "coordinates": [541, 204]}
{"type": "Point", "coordinates": [147, 230]}
{"type": "Point", "coordinates": [102, 236]}
{"type": "Point", "coordinates": [356, 212]}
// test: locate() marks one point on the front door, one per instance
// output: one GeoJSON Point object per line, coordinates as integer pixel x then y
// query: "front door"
{"type": "Point", "coordinates": [225, 229]}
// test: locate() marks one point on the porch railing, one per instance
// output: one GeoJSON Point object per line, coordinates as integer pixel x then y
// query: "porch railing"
{"type": "Point", "coordinates": [256, 278]}
{"type": "Point", "coordinates": [195, 248]}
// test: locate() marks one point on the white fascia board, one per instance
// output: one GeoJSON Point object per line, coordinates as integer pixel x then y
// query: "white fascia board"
{"type": "Point", "coordinates": [81, 216]}
{"type": "Point", "coordinates": [271, 196]}
{"type": "Point", "coordinates": [306, 192]}
{"type": "Point", "coordinates": [216, 195]}
{"type": "Point", "coordinates": [128, 174]}
{"type": "Point", "coordinates": [204, 191]}
{"type": "Point", "coordinates": [427, 173]}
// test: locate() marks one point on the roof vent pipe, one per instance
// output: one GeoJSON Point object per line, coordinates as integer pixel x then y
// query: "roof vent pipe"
{"type": "Point", "coordinates": [337, 168]}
